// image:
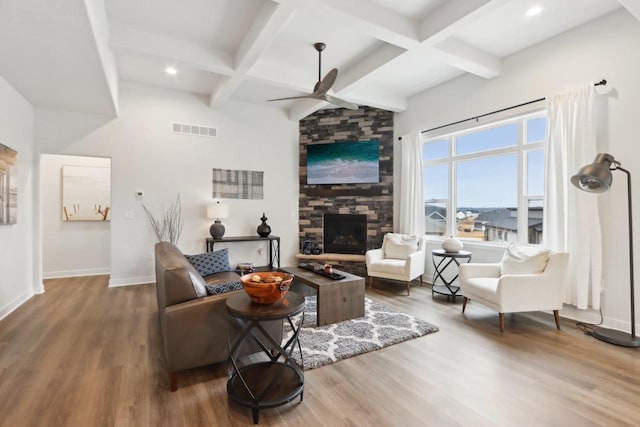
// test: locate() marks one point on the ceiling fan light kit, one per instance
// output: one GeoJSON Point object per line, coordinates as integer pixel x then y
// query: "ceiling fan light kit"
{"type": "Point", "coordinates": [323, 85]}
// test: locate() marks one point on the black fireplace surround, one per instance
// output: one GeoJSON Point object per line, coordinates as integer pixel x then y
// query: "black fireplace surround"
{"type": "Point", "coordinates": [345, 233]}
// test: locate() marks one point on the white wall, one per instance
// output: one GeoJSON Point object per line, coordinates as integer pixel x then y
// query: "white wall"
{"type": "Point", "coordinates": [16, 241]}
{"type": "Point", "coordinates": [145, 155]}
{"type": "Point", "coordinates": [79, 248]}
{"type": "Point", "coordinates": [605, 48]}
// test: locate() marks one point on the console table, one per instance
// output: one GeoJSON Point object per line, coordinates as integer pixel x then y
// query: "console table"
{"type": "Point", "coordinates": [274, 245]}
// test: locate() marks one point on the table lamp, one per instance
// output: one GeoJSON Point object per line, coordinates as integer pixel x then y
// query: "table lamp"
{"type": "Point", "coordinates": [217, 211]}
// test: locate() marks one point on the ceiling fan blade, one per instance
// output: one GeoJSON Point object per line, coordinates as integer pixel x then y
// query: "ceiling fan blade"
{"type": "Point", "coordinates": [294, 97]}
{"type": "Point", "coordinates": [340, 102]}
{"type": "Point", "coordinates": [323, 87]}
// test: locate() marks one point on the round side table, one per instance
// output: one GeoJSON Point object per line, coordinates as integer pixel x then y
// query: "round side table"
{"type": "Point", "coordinates": [276, 379]}
{"type": "Point", "coordinates": [441, 261]}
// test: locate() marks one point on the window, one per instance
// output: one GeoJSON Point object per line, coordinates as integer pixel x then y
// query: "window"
{"type": "Point", "coordinates": [487, 183]}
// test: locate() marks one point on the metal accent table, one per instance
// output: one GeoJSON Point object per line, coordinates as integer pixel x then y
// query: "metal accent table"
{"type": "Point", "coordinates": [274, 245]}
{"type": "Point", "coordinates": [268, 382]}
{"type": "Point", "coordinates": [445, 259]}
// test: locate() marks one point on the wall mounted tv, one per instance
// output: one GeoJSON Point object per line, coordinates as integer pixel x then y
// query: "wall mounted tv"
{"type": "Point", "coordinates": [343, 163]}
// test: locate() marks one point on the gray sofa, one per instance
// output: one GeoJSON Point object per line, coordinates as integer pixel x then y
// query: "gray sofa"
{"type": "Point", "coordinates": [194, 326]}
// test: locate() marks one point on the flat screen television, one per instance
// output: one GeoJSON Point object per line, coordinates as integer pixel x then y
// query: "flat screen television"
{"type": "Point", "coordinates": [343, 163]}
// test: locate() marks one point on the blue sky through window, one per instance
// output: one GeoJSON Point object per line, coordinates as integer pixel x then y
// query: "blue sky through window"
{"type": "Point", "coordinates": [487, 182]}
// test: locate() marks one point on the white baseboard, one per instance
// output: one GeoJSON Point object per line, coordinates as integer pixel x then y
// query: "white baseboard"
{"type": "Point", "coordinates": [17, 302]}
{"type": "Point", "coordinates": [75, 273]}
{"type": "Point", "coordinates": [593, 316]}
{"type": "Point", "coordinates": [126, 281]}
{"type": "Point", "coordinates": [38, 288]}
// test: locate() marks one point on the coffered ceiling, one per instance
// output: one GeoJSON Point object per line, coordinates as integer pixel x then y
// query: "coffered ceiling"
{"type": "Point", "coordinates": [254, 50]}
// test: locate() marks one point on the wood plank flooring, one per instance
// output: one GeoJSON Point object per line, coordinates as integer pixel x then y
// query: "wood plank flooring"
{"type": "Point", "coordinates": [83, 354]}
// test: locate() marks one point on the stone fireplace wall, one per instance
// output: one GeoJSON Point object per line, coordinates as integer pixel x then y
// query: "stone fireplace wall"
{"type": "Point", "coordinates": [374, 200]}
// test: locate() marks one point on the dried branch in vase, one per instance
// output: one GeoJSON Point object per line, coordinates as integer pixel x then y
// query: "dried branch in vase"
{"type": "Point", "coordinates": [168, 226]}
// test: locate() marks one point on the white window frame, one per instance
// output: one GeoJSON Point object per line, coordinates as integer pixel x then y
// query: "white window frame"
{"type": "Point", "coordinates": [521, 149]}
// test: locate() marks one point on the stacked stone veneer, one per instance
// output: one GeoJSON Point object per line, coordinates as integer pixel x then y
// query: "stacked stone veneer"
{"type": "Point", "coordinates": [375, 200]}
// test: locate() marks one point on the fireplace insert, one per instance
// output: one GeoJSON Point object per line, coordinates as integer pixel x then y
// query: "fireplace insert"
{"type": "Point", "coordinates": [345, 233]}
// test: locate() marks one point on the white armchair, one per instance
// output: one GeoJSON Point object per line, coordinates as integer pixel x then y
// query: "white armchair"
{"type": "Point", "coordinates": [395, 261]}
{"type": "Point", "coordinates": [510, 293]}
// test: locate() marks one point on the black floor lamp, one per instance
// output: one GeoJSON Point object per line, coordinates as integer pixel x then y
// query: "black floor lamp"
{"type": "Point", "coordinates": [597, 178]}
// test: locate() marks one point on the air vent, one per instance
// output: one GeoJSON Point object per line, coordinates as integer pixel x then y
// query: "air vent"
{"type": "Point", "coordinates": [195, 130]}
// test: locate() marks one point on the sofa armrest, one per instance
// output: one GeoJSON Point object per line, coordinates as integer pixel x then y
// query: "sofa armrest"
{"type": "Point", "coordinates": [414, 265]}
{"type": "Point", "coordinates": [473, 270]}
{"type": "Point", "coordinates": [197, 332]}
{"type": "Point", "coordinates": [374, 255]}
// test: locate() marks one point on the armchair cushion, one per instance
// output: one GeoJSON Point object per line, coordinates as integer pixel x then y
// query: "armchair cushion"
{"type": "Point", "coordinates": [524, 260]}
{"type": "Point", "coordinates": [399, 246]}
{"type": "Point", "coordinates": [210, 262]}
{"type": "Point", "coordinates": [388, 266]}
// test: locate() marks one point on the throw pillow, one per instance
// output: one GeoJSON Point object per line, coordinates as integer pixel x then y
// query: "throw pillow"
{"type": "Point", "coordinates": [210, 262]}
{"type": "Point", "coordinates": [223, 288]}
{"type": "Point", "coordinates": [400, 246]}
{"type": "Point", "coordinates": [524, 260]}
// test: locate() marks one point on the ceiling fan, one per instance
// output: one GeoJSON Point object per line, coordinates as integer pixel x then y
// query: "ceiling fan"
{"type": "Point", "coordinates": [322, 86]}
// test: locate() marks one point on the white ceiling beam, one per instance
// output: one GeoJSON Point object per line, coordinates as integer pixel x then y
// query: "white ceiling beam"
{"type": "Point", "coordinates": [367, 17]}
{"type": "Point", "coordinates": [439, 25]}
{"type": "Point", "coordinates": [304, 107]}
{"type": "Point", "coordinates": [368, 63]}
{"type": "Point", "coordinates": [633, 6]}
{"type": "Point", "coordinates": [270, 20]}
{"type": "Point", "coordinates": [468, 58]}
{"type": "Point", "coordinates": [452, 15]}
{"type": "Point", "coordinates": [389, 102]}
{"type": "Point", "coordinates": [189, 54]}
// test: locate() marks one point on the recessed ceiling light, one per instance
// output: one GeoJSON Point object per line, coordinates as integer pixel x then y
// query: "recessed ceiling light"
{"type": "Point", "coordinates": [170, 70]}
{"type": "Point", "coordinates": [534, 11]}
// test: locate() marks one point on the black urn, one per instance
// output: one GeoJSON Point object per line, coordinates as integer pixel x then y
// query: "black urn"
{"type": "Point", "coordinates": [263, 229]}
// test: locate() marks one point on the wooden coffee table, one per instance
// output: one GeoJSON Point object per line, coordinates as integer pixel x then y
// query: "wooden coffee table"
{"type": "Point", "coordinates": [338, 300]}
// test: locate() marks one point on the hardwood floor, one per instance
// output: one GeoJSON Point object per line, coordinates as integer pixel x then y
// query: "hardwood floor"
{"type": "Point", "coordinates": [83, 354]}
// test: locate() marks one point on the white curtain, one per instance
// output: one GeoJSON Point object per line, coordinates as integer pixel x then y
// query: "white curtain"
{"type": "Point", "coordinates": [411, 197]}
{"type": "Point", "coordinates": [571, 220]}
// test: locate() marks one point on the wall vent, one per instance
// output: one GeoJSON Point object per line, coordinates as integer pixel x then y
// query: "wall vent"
{"type": "Point", "coordinates": [195, 130]}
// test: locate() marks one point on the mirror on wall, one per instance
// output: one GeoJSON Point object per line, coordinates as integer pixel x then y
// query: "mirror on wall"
{"type": "Point", "coordinates": [86, 193]}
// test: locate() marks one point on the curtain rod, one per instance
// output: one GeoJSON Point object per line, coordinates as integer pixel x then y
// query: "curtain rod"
{"type": "Point", "coordinates": [602, 82]}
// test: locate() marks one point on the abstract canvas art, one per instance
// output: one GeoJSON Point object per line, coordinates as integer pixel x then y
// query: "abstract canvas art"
{"type": "Point", "coordinates": [8, 185]}
{"type": "Point", "coordinates": [343, 163]}
{"type": "Point", "coordinates": [237, 184]}
{"type": "Point", "coordinates": [86, 193]}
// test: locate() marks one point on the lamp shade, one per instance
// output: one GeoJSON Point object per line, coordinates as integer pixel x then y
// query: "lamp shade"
{"type": "Point", "coordinates": [217, 211]}
{"type": "Point", "coordinates": [596, 177]}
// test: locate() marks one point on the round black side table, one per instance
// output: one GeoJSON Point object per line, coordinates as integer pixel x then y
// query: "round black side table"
{"type": "Point", "coordinates": [276, 379]}
{"type": "Point", "coordinates": [441, 260]}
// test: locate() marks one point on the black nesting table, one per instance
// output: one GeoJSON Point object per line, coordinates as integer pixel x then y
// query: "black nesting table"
{"type": "Point", "coordinates": [441, 261]}
{"type": "Point", "coordinates": [264, 382]}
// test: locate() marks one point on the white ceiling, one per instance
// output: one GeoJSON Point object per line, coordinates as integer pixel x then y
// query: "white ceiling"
{"type": "Point", "coordinates": [255, 50]}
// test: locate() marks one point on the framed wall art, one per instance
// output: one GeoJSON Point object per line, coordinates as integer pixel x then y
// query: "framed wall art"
{"type": "Point", "coordinates": [86, 193]}
{"type": "Point", "coordinates": [8, 185]}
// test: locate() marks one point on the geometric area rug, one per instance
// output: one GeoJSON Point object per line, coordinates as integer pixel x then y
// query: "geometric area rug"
{"type": "Point", "coordinates": [380, 327]}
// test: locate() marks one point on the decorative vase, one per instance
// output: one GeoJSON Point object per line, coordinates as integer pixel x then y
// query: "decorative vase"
{"type": "Point", "coordinates": [263, 229]}
{"type": "Point", "coordinates": [216, 229]}
{"type": "Point", "coordinates": [306, 246]}
{"type": "Point", "coordinates": [452, 244]}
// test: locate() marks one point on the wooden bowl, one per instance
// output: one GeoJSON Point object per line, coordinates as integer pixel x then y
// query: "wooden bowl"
{"type": "Point", "coordinates": [265, 291]}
